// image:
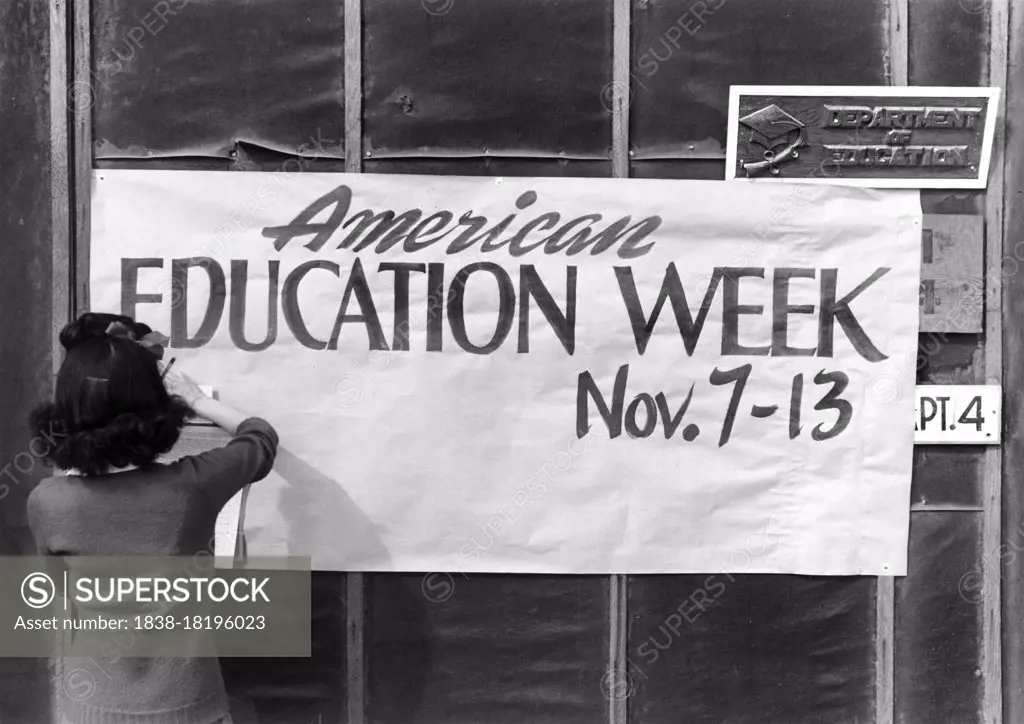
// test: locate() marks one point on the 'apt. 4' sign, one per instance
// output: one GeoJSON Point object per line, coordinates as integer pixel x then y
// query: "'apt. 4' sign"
{"type": "Point", "coordinates": [958, 415]}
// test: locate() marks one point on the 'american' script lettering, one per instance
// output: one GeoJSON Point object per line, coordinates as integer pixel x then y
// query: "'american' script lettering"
{"type": "Point", "coordinates": [387, 229]}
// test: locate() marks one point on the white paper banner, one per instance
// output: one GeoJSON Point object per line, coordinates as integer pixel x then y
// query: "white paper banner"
{"type": "Point", "coordinates": [543, 375]}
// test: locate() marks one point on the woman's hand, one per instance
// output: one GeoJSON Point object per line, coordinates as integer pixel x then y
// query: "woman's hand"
{"type": "Point", "coordinates": [224, 416]}
{"type": "Point", "coordinates": [180, 384]}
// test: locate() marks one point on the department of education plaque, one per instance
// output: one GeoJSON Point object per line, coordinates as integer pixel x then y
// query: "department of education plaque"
{"type": "Point", "coordinates": [876, 136]}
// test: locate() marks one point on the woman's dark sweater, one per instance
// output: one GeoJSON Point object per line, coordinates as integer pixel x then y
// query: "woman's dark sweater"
{"type": "Point", "coordinates": [158, 510]}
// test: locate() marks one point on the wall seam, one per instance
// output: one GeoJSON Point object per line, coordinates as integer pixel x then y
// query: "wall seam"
{"type": "Point", "coordinates": [991, 658]}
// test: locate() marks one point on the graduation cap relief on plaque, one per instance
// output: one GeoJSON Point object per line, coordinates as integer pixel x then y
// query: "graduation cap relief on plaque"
{"type": "Point", "coordinates": [772, 138]}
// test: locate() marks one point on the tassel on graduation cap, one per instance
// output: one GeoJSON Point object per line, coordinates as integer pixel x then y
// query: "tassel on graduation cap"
{"type": "Point", "coordinates": [770, 128]}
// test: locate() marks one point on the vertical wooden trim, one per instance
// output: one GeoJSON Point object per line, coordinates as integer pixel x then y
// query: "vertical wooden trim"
{"type": "Point", "coordinates": [1012, 277]}
{"type": "Point", "coordinates": [60, 193]}
{"type": "Point", "coordinates": [355, 608]}
{"type": "Point", "coordinates": [898, 73]}
{"type": "Point", "coordinates": [618, 98]}
{"type": "Point", "coordinates": [885, 637]}
{"type": "Point", "coordinates": [83, 94]}
{"type": "Point", "coordinates": [355, 582]}
{"type": "Point", "coordinates": [897, 61]}
{"type": "Point", "coordinates": [992, 703]}
{"type": "Point", "coordinates": [61, 92]}
{"type": "Point", "coordinates": [618, 683]}
{"type": "Point", "coordinates": [353, 86]}
{"type": "Point", "coordinates": [618, 95]}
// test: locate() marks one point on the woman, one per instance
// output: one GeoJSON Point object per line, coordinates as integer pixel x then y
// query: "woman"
{"type": "Point", "coordinates": [115, 411]}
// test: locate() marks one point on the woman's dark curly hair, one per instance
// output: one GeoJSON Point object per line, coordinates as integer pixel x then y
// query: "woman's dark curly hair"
{"type": "Point", "coordinates": [111, 408]}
